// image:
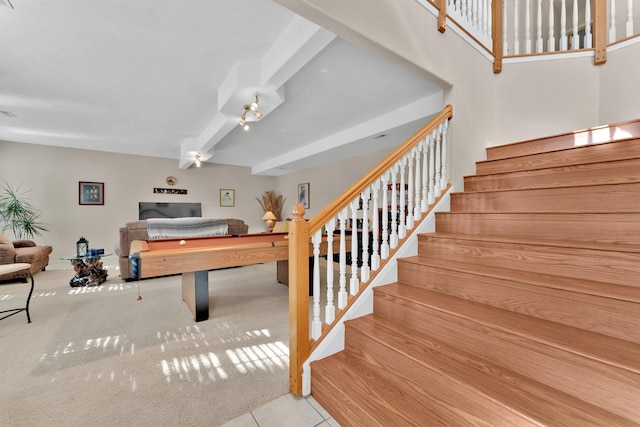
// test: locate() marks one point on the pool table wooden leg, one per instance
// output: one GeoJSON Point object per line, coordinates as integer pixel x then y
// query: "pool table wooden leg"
{"type": "Point", "coordinates": [195, 293]}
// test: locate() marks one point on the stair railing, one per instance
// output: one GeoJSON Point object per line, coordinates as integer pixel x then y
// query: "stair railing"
{"type": "Point", "coordinates": [516, 28]}
{"type": "Point", "coordinates": [356, 234]}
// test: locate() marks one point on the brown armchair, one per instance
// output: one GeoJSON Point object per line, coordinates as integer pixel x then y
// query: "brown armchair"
{"type": "Point", "coordinates": [22, 251]}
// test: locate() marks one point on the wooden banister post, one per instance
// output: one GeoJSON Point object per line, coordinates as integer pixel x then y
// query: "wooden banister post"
{"type": "Point", "coordinates": [442, 16]}
{"type": "Point", "coordinates": [600, 31]}
{"type": "Point", "coordinates": [496, 34]}
{"type": "Point", "coordinates": [298, 298]}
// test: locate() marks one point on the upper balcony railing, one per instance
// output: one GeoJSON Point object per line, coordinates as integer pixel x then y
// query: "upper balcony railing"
{"type": "Point", "coordinates": [511, 28]}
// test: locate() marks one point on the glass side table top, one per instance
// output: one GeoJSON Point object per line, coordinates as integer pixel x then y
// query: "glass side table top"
{"type": "Point", "coordinates": [79, 258]}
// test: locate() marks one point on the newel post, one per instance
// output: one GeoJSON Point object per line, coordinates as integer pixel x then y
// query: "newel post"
{"type": "Point", "coordinates": [496, 33]}
{"type": "Point", "coordinates": [298, 298]}
{"type": "Point", "coordinates": [600, 31]}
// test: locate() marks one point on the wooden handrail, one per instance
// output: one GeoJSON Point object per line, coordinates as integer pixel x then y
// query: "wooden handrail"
{"type": "Point", "coordinates": [351, 193]}
{"type": "Point", "coordinates": [300, 232]}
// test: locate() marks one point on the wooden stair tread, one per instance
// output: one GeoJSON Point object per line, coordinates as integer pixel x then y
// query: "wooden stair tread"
{"type": "Point", "coordinates": [611, 151]}
{"type": "Point", "coordinates": [612, 172]}
{"type": "Point", "coordinates": [591, 287]}
{"type": "Point", "coordinates": [371, 396]}
{"type": "Point", "coordinates": [522, 395]}
{"type": "Point", "coordinates": [571, 244]}
{"type": "Point", "coordinates": [612, 351]}
{"type": "Point", "coordinates": [603, 186]}
{"type": "Point", "coordinates": [603, 227]}
{"type": "Point", "coordinates": [623, 131]}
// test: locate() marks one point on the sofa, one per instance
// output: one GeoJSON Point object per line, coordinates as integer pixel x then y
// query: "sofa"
{"type": "Point", "coordinates": [22, 251]}
{"type": "Point", "coordinates": [139, 230]}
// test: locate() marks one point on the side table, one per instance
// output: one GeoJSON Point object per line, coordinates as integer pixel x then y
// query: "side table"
{"type": "Point", "coordinates": [89, 270]}
{"type": "Point", "coordinates": [12, 268]}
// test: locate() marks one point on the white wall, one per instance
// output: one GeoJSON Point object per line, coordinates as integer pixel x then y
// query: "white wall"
{"type": "Point", "coordinates": [325, 184]}
{"type": "Point", "coordinates": [526, 100]}
{"type": "Point", "coordinates": [52, 175]}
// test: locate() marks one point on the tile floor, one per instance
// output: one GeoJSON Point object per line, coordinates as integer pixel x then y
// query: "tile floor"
{"type": "Point", "coordinates": [286, 411]}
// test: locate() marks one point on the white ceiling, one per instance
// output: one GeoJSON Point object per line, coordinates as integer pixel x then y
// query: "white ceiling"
{"type": "Point", "coordinates": [170, 79]}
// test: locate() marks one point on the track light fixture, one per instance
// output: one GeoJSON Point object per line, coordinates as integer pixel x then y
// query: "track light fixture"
{"type": "Point", "coordinates": [253, 107]}
{"type": "Point", "coordinates": [196, 159]}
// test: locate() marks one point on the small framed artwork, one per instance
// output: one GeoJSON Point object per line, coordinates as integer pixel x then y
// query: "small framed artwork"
{"type": "Point", "coordinates": [303, 195]}
{"type": "Point", "coordinates": [227, 197]}
{"type": "Point", "coordinates": [91, 193]}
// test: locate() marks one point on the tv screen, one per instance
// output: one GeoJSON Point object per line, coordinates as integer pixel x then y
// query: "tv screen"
{"type": "Point", "coordinates": [148, 210]}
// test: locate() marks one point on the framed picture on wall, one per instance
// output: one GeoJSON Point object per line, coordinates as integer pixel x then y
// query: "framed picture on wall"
{"type": "Point", "coordinates": [227, 197]}
{"type": "Point", "coordinates": [303, 195]}
{"type": "Point", "coordinates": [91, 193]}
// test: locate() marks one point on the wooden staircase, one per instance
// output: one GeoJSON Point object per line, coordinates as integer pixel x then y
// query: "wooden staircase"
{"type": "Point", "coordinates": [522, 308]}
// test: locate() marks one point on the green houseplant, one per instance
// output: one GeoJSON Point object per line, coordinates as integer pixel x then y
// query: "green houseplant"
{"type": "Point", "coordinates": [18, 215]}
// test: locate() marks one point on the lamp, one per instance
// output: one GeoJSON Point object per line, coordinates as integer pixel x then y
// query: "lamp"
{"type": "Point", "coordinates": [82, 247]}
{"type": "Point", "coordinates": [253, 107]}
{"type": "Point", "coordinates": [270, 219]}
{"type": "Point", "coordinates": [196, 159]}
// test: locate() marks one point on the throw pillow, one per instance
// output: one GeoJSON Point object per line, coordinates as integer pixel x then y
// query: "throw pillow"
{"type": "Point", "coordinates": [5, 240]}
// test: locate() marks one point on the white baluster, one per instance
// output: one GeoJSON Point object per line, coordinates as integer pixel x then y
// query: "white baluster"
{"type": "Point", "coordinates": [551, 43]}
{"type": "Point", "coordinates": [539, 44]}
{"type": "Point", "coordinates": [563, 25]}
{"type": "Point", "coordinates": [474, 17]}
{"type": "Point", "coordinates": [588, 39]}
{"type": "Point", "coordinates": [316, 323]}
{"type": "Point", "coordinates": [384, 246]}
{"type": "Point", "coordinates": [575, 42]}
{"type": "Point", "coordinates": [505, 42]}
{"type": "Point", "coordinates": [629, 31]}
{"type": "Point", "coordinates": [410, 193]}
{"type": "Point", "coordinates": [425, 173]}
{"type": "Point", "coordinates": [516, 28]}
{"type": "Point", "coordinates": [393, 239]}
{"type": "Point", "coordinates": [527, 26]}
{"type": "Point", "coordinates": [375, 256]}
{"type": "Point", "coordinates": [330, 309]}
{"type": "Point", "coordinates": [486, 27]}
{"type": "Point", "coordinates": [364, 270]}
{"type": "Point", "coordinates": [444, 180]}
{"type": "Point", "coordinates": [612, 22]}
{"type": "Point", "coordinates": [432, 168]}
{"type": "Point", "coordinates": [402, 227]}
{"type": "Point", "coordinates": [437, 188]}
{"type": "Point", "coordinates": [354, 283]}
{"type": "Point", "coordinates": [418, 186]}
{"type": "Point", "coordinates": [342, 293]}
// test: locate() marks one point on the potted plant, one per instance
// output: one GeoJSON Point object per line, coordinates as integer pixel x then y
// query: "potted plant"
{"type": "Point", "coordinates": [271, 202]}
{"type": "Point", "coordinates": [18, 215]}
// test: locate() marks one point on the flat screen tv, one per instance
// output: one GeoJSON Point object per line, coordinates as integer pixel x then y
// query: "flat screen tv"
{"type": "Point", "coordinates": [148, 210]}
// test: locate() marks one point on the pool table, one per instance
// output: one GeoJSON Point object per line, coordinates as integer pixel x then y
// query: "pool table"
{"type": "Point", "coordinates": [194, 257]}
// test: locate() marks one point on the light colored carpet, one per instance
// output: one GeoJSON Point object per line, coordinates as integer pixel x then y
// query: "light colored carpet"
{"type": "Point", "coordinates": [99, 357]}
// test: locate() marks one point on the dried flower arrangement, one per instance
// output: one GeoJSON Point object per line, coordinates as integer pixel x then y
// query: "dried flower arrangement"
{"type": "Point", "coordinates": [272, 202]}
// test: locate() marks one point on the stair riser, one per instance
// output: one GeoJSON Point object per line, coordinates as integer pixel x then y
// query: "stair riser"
{"type": "Point", "coordinates": [549, 365]}
{"type": "Point", "coordinates": [621, 172]}
{"type": "Point", "coordinates": [619, 319]}
{"type": "Point", "coordinates": [612, 198]}
{"type": "Point", "coordinates": [439, 392]}
{"type": "Point", "coordinates": [606, 266]}
{"type": "Point", "coordinates": [605, 228]}
{"type": "Point", "coordinates": [588, 154]}
{"type": "Point", "coordinates": [617, 132]}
